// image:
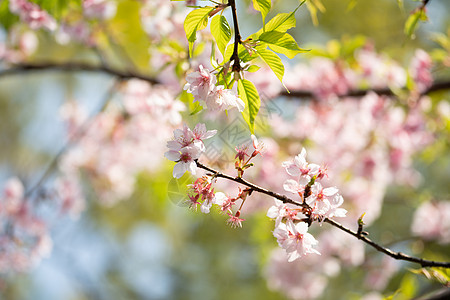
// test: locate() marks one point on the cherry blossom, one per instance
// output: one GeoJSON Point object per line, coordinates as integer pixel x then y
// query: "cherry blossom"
{"type": "Point", "coordinates": [234, 220]}
{"type": "Point", "coordinates": [222, 99]}
{"type": "Point", "coordinates": [432, 221]}
{"type": "Point", "coordinates": [300, 167]}
{"type": "Point", "coordinates": [420, 70]}
{"type": "Point", "coordinates": [99, 9]}
{"type": "Point", "coordinates": [200, 83]}
{"type": "Point", "coordinates": [295, 239]}
{"type": "Point", "coordinates": [319, 198]}
{"type": "Point", "coordinates": [32, 14]}
{"type": "Point", "coordinates": [185, 160]}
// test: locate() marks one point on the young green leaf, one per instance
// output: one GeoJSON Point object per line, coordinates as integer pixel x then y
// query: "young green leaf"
{"type": "Point", "coordinates": [253, 68]}
{"type": "Point", "coordinates": [221, 32]}
{"type": "Point", "coordinates": [273, 61]}
{"type": "Point", "coordinates": [282, 43]}
{"type": "Point", "coordinates": [413, 21]}
{"type": "Point", "coordinates": [249, 95]}
{"type": "Point", "coordinates": [196, 20]}
{"type": "Point", "coordinates": [263, 6]}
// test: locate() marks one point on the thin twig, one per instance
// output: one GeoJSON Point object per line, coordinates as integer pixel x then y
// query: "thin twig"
{"type": "Point", "coordinates": [360, 236]}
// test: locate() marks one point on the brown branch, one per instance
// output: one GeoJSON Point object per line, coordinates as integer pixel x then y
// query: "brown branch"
{"type": "Point", "coordinates": [18, 69]}
{"type": "Point", "coordinates": [75, 67]}
{"type": "Point", "coordinates": [252, 186]}
{"type": "Point", "coordinates": [441, 85]}
{"type": "Point", "coordinates": [237, 37]}
{"type": "Point", "coordinates": [361, 236]}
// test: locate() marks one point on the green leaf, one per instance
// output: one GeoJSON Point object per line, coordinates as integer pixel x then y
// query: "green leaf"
{"type": "Point", "coordinates": [281, 22]}
{"type": "Point", "coordinates": [263, 6]}
{"type": "Point", "coordinates": [221, 32]}
{"type": "Point", "coordinates": [314, 6]}
{"type": "Point", "coordinates": [412, 22]}
{"type": "Point", "coordinates": [249, 95]}
{"type": "Point", "coordinates": [273, 61]}
{"type": "Point", "coordinates": [282, 43]}
{"type": "Point", "coordinates": [253, 68]}
{"type": "Point", "coordinates": [196, 20]}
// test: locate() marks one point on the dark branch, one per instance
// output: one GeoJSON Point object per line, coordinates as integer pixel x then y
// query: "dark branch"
{"type": "Point", "coordinates": [250, 185]}
{"type": "Point", "coordinates": [360, 236]}
{"type": "Point", "coordinates": [237, 38]}
{"type": "Point", "coordinates": [396, 255]}
{"type": "Point", "coordinates": [17, 69]}
{"type": "Point", "coordinates": [75, 67]}
{"type": "Point", "coordinates": [435, 87]}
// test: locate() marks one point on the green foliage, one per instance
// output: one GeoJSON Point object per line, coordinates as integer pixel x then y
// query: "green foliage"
{"type": "Point", "coordinates": [315, 6]}
{"type": "Point", "coordinates": [282, 43]}
{"type": "Point", "coordinates": [273, 61]}
{"type": "Point", "coordinates": [250, 96]}
{"type": "Point", "coordinates": [196, 20]}
{"type": "Point", "coordinates": [221, 32]}
{"type": "Point", "coordinates": [412, 22]}
{"type": "Point", "coordinates": [7, 19]}
{"type": "Point", "coordinates": [262, 6]}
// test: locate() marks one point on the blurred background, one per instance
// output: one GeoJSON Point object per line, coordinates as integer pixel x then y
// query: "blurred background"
{"type": "Point", "coordinates": [148, 245]}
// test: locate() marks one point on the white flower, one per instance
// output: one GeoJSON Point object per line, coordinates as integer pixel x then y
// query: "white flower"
{"type": "Point", "coordinates": [300, 167]}
{"type": "Point", "coordinates": [335, 210]}
{"type": "Point", "coordinates": [200, 133]}
{"type": "Point", "coordinates": [200, 83]}
{"type": "Point", "coordinates": [277, 212]}
{"type": "Point", "coordinates": [224, 99]}
{"type": "Point", "coordinates": [295, 239]}
{"type": "Point", "coordinates": [318, 199]}
{"type": "Point", "coordinates": [296, 187]}
{"type": "Point", "coordinates": [185, 160]}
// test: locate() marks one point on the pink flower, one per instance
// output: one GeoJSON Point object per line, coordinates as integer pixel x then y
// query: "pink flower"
{"type": "Point", "coordinates": [12, 198]}
{"type": "Point", "coordinates": [300, 167]}
{"type": "Point", "coordinates": [432, 221]}
{"type": "Point", "coordinates": [295, 239]}
{"type": "Point", "coordinates": [296, 187]}
{"type": "Point", "coordinates": [318, 199]}
{"type": "Point", "coordinates": [234, 220]}
{"type": "Point", "coordinates": [224, 201]}
{"type": "Point", "coordinates": [200, 83]}
{"type": "Point", "coordinates": [185, 160]}
{"type": "Point", "coordinates": [280, 210]}
{"type": "Point", "coordinates": [32, 14]}
{"type": "Point", "coordinates": [99, 9]}
{"type": "Point", "coordinates": [224, 99]}
{"type": "Point", "coordinates": [200, 133]}
{"type": "Point", "coordinates": [335, 210]}
{"type": "Point", "coordinates": [420, 70]}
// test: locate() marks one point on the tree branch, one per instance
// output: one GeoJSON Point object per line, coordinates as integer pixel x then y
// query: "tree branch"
{"type": "Point", "coordinates": [75, 67]}
{"type": "Point", "coordinates": [237, 38]}
{"type": "Point", "coordinates": [436, 86]}
{"type": "Point", "coordinates": [439, 85]}
{"type": "Point", "coordinates": [360, 235]}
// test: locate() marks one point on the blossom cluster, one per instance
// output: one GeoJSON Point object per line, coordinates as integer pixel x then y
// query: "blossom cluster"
{"type": "Point", "coordinates": [114, 146]}
{"type": "Point", "coordinates": [31, 14]}
{"type": "Point", "coordinates": [99, 9]}
{"type": "Point", "coordinates": [186, 147]}
{"type": "Point", "coordinates": [317, 203]}
{"type": "Point", "coordinates": [24, 238]}
{"type": "Point", "coordinates": [202, 84]}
